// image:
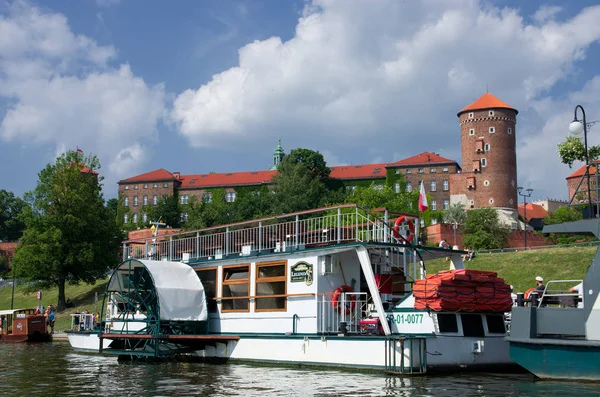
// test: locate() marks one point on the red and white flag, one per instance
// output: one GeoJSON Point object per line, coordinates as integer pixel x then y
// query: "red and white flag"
{"type": "Point", "coordinates": [423, 206]}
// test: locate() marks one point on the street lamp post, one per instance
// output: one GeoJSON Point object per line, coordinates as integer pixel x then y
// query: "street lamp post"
{"type": "Point", "coordinates": [524, 195]}
{"type": "Point", "coordinates": [577, 127]}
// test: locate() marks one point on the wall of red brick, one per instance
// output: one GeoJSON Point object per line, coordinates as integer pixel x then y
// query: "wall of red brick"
{"type": "Point", "coordinates": [439, 232]}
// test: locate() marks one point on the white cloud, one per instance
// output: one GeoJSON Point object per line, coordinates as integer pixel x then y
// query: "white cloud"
{"type": "Point", "coordinates": [360, 72]}
{"type": "Point", "coordinates": [546, 13]}
{"type": "Point", "coordinates": [61, 90]}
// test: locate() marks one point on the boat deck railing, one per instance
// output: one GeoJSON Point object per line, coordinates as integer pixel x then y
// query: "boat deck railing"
{"type": "Point", "coordinates": [557, 293]}
{"type": "Point", "coordinates": [308, 229]}
{"type": "Point", "coordinates": [343, 315]}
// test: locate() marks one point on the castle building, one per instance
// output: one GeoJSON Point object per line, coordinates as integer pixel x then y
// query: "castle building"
{"type": "Point", "coordinates": [487, 178]}
{"type": "Point", "coordinates": [489, 156]}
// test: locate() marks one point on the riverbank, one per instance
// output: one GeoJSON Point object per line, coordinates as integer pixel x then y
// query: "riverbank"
{"type": "Point", "coordinates": [517, 268]}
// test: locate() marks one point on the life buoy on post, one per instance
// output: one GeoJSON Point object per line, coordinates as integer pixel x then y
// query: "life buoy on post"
{"type": "Point", "coordinates": [528, 292]}
{"type": "Point", "coordinates": [411, 229]}
{"type": "Point", "coordinates": [350, 303]}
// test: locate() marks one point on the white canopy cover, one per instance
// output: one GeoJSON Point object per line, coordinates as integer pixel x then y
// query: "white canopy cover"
{"type": "Point", "coordinates": [180, 292]}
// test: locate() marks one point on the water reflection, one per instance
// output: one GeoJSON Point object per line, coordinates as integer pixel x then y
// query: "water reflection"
{"type": "Point", "coordinates": [54, 369]}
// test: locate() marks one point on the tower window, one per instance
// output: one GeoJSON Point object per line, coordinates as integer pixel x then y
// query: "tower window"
{"type": "Point", "coordinates": [472, 202]}
{"type": "Point", "coordinates": [433, 205]}
{"type": "Point", "coordinates": [492, 130]}
{"type": "Point", "coordinates": [483, 162]}
{"type": "Point", "coordinates": [470, 115]}
{"type": "Point", "coordinates": [510, 131]}
{"type": "Point", "coordinates": [472, 131]}
{"type": "Point", "coordinates": [511, 201]}
{"type": "Point", "coordinates": [491, 113]}
{"type": "Point", "coordinates": [491, 201]}
{"type": "Point", "coordinates": [445, 205]}
{"type": "Point", "coordinates": [433, 186]}
{"type": "Point", "coordinates": [487, 147]}
{"type": "Point", "coordinates": [486, 183]}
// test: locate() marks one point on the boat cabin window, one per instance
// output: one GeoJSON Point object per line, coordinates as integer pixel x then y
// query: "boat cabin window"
{"type": "Point", "coordinates": [447, 322]}
{"type": "Point", "coordinates": [235, 289]}
{"type": "Point", "coordinates": [495, 323]}
{"type": "Point", "coordinates": [271, 286]}
{"type": "Point", "coordinates": [472, 325]}
{"type": "Point", "coordinates": [209, 282]}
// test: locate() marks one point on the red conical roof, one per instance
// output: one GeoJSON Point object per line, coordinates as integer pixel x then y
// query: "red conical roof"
{"type": "Point", "coordinates": [487, 101]}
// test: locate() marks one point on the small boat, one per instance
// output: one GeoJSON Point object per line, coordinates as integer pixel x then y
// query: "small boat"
{"type": "Point", "coordinates": [557, 335]}
{"type": "Point", "coordinates": [23, 325]}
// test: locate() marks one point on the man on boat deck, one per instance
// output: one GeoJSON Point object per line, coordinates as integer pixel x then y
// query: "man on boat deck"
{"type": "Point", "coordinates": [539, 282]}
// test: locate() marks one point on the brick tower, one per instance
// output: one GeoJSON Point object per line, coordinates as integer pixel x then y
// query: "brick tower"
{"type": "Point", "coordinates": [489, 156]}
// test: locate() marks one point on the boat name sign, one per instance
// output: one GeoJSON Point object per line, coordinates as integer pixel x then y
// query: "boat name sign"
{"type": "Point", "coordinates": [302, 272]}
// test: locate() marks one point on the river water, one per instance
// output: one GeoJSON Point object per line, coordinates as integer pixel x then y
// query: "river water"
{"type": "Point", "coordinates": [53, 369]}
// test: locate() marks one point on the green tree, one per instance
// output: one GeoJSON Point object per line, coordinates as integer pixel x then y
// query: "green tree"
{"type": "Point", "coordinates": [572, 149]}
{"type": "Point", "coordinates": [252, 203]}
{"type": "Point", "coordinates": [301, 182]}
{"type": "Point", "coordinates": [167, 210]}
{"type": "Point", "coordinates": [11, 225]}
{"type": "Point", "coordinates": [483, 230]}
{"type": "Point", "coordinates": [70, 235]}
{"type": "Point", "coordinates": [455, 215]}
{"type": "Point", "coordinates": [384, 197]}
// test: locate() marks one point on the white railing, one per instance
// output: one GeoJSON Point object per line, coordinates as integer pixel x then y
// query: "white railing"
{"type": "Point", "coordinates": [328, 226]}
{"type": "Point", "coordinates": [557, 292]}
{"type": "Point", "coordinates": [342, 316]}
{"type": "Point", "coordinates": [83, 321]}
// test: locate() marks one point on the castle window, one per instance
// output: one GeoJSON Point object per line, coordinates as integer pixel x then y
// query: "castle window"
{"type": "Point", "coordinates": [433, 186]}
{"type": "Point", "coordinates": [135, 202]}
{"type": "Point", "coordinates": [230, 197]}
{"type": "Point", "coordinates": [434, 221]}
{"type": "Point", "coordinates": [433, 170]}
{"type": "Point", "coordinates": [491, 201]}
{"type": "Point", "coordinates": [397, 171]}
{"type": "Point", "coordinates": [487, 147]}
{"type": "Point", "coordinates": [397, 187]}
{"type": "Point", "coordinates": [184, 217]}
{"type": "Point", "coordinates": [510, 131]}
{"type": "Point", "coordinates": [445, 185]}
{"type": "Point", "coordinates": [126, 187]}
{"type": "Point", "coordinates": [409, 171]}
{"type": "Point", "coordinates": [486, 183]}
{"type": "Point", "coordinates": [483, 162]}
{"type": "Point", "coordinates": [472, 131]}
{"type": "Point", "coordinates": [348, 188]}
{"type": "Point", "coordinates": [446, 203]}
{"type": "Point", "coordinates": [378, 187]}
{"type": "Point", "coordinates": [126, 202]}
{"type": "Point", "coordinates": [145, 200]}
{"type": "Point", "coordinates": [470, 115]}
{"type": "Point", "coordinates": [135, 218]}
{"type": "Point", "coordinates": [145, 186]}
{"type": "Point", "coordinates": [165, 185]}
{"type": "Point", "coordinates": [511, 201]}
{"type": "Point", "coordinates": [408, 187]}
{"type": "Point", "coordinates": [207, 197]}
{"type": "Point", "coordinates": [445, 169]}
{"type": "Point", "coordinates": [184, 199]}
{"type": "Point", "coordinates": [491, 113]}
{"type": "Point", "coordinates": [126, 218]}
{"type": "Point", "coordinates": [492, 130]}
{"type": "Point", "coordinates": [433, 205]}
{"type": "Point", "coordinates": [472, 202]}
{"type": "Point", "coordinates": [135, 187]}
{"type": "Point", "coordinates": [155, 185]}
{"type": "Point", "coordinates": [421, 170]}
{"type": "Point", "coordinates": [154, 200]}
{"type": "Point", "coordinates": [144, 217]}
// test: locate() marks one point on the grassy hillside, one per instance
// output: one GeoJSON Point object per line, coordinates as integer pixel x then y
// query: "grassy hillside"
{"type": "Point", "coordinates": [521, 268]}
{"type": "Point", "coordinates": [81, 295]}
{"type": "Point", "coordinates": [517, 268]}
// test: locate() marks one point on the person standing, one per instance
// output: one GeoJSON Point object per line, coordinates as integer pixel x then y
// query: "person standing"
{"type": "Point", "coordinates": [539, 282]}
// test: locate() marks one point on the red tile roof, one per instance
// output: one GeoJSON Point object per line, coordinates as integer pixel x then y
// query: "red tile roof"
{"type": "Point", "coordinates": [487, 101]}
{"type": "Point", "coordinates": [156, 175]}
{"type": "Point", "coordinates": [534, 211]}
{"type": "Point", "coordinates": [423, 158]}
{"type": "Point", "coordinates": [580, 171]}
{"type": "Point", "coordinates": [360, 171]}
{"type": "Point", "coordinates": [226, 179]}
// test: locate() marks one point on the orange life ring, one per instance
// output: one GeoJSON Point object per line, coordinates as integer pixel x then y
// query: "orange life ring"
{"type": "Point", "coordinates": [350, 303]}
{"type": "Point", "coordinates": [528, 292]}
{"type": "Point", "coordinates": [411, 229]}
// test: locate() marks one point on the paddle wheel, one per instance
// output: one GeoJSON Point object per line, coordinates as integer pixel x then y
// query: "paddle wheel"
{"type": "Point", "coordinates": [154, 309]}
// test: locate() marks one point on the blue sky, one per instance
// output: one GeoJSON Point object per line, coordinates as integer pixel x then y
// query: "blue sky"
{"type": "Point", "coordinates": [201, 86]}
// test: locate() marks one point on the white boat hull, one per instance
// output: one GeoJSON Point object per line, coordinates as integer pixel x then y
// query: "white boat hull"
{"type": "Point", "coordinates": [86, 341]}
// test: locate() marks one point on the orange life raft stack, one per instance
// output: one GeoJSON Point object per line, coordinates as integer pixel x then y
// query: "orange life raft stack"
{"type": "Point", "coordinates": [464, 291]}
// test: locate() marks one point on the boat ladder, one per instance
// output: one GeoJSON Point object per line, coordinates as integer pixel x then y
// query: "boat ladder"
{"type": "Point", "coordinates": [406, 356]}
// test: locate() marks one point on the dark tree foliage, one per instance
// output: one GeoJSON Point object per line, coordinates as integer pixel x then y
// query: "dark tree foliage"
{"type": "Point", "coordinates": [70, 235]}
{"type": "Point", "coordinates": [301, 182]}
{"type": "Point", "coordinates": [11, 225]}
{"type": "Point", "coordinates": [168, 211]}
{"type": "Point", "coordinates": [483, 230]}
